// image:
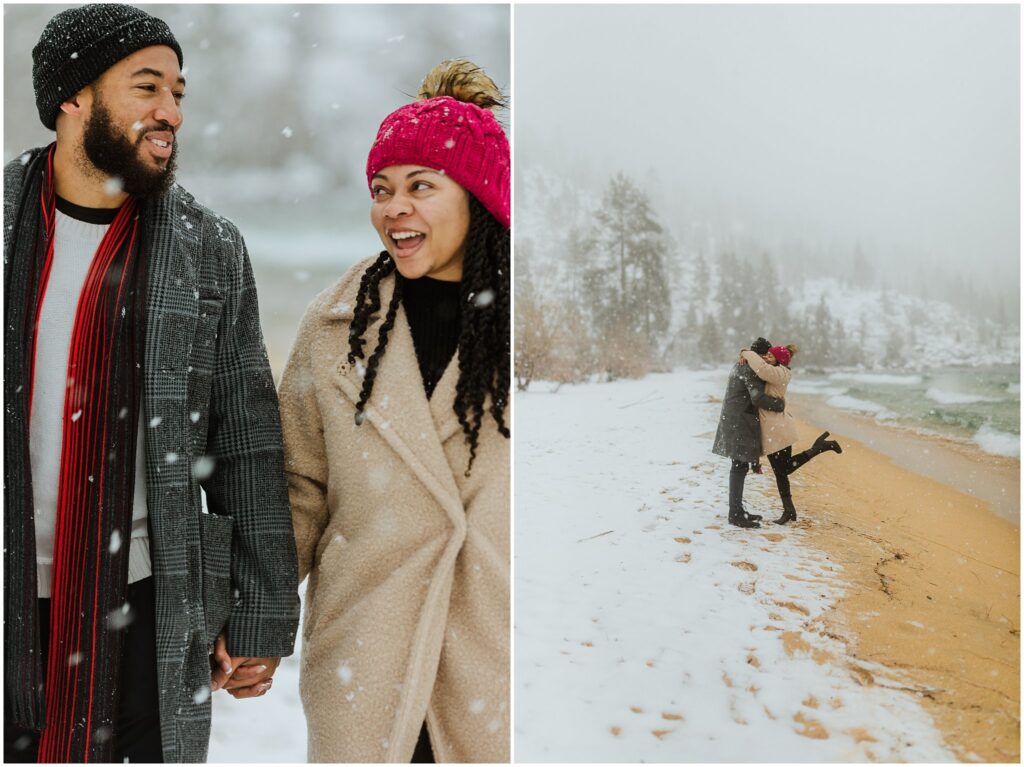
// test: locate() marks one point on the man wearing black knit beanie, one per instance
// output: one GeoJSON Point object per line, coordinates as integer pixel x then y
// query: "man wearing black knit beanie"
{"type": "Point", "coordinates": [135, 377]}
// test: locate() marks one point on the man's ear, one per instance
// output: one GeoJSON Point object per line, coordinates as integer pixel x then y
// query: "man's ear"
{"type": "Point", "coordinates": [71, 106]}
{"type": "Point", "coordinates": [76, 104]}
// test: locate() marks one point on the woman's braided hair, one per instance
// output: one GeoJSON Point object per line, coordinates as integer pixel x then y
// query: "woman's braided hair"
{"type": "Point", "coordinates": [484, 337]}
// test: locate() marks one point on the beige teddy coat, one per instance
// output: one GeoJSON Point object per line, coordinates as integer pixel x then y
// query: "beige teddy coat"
{"type": "Point", "coordinates": [407, 607]}
{"type": "Point", "coordinates": [778, 430]}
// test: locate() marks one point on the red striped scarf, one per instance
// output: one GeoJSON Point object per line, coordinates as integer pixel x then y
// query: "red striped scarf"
{"type": "Point", "coordinates": [88, 611]}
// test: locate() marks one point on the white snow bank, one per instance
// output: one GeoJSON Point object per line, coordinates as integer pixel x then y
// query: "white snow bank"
{"type": "Point", "coordinates": [647, 628]}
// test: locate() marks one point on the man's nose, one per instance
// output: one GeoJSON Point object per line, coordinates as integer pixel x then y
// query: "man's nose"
{"type": "Point", "coordinates": [169, 110]}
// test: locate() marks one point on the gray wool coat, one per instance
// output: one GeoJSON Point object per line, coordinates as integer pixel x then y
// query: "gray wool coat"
{"type": "Point", "coordinates": [210, 402]}
{"type": "Point", "coordinates": [739, 428]}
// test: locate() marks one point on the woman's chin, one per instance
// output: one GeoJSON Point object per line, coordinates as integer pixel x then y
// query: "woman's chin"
{"type": "Point", "coordinates": [410, 269]}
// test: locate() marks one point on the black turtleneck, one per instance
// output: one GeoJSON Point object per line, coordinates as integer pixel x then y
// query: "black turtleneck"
{"type": "Point", "coordinates": [434, 311]}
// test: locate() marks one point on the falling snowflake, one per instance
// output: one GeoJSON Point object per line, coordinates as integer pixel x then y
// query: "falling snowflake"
{"type": "Point", "coordinates": [485, 298]}
{"type": "Point", "coordinates": [120, 617]}
{"type": "Point", "coordinates": [202, 467]}
{"type": "Point", "coordinates": [194, 416]}
{"type": "Point", "coordinates": [113, 186]}
{"type": "Point", "coordinates": [201, 695]}
{"type": "Point", "coordinates": [76, 415]}
{"type": "Point", "coordinates": [74, 659]}
{"type": "Point", "coordinates": [115, 542]}
{"type": "Point", "coordinates": [171, 458]}
{"type": "Point", "coordinates": [345, 673]}
{"type": "Point", "coordinates": [287, 132]}
{"type": "Point", "coordinates": [156, 421]}
{"type": "Point", "coordinates": [476, 706]}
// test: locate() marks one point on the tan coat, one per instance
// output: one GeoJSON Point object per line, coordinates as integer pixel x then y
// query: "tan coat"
{"type": "Point", "coordinates": [407, 607]}
{"type": "Point", "coordinates": [778, 430]}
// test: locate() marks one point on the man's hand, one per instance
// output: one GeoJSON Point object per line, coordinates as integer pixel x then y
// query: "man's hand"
{"type": "Point", "coordinates": [241, 677]}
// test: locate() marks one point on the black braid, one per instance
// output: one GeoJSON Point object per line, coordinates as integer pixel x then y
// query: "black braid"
{"type": "Point", "coordinates": [379, 269]}
{"type": "Point", "coordinates": [382, 339]}
{"type": "Point", "coordinates": [485, 337]}
{"type": "Point", "coordinates": [485, 340]}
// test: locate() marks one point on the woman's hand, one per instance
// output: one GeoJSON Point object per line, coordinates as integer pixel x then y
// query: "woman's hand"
{"type": "Point", "coordinates": [241, 677]}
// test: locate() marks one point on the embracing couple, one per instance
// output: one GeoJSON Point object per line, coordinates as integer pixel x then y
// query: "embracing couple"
{"type": "Point", "coordinates": [136, 381]}
{"type": "Point", "coordinates": [754, 422]}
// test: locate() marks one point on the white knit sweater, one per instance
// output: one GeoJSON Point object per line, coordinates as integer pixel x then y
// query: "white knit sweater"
{"type": "Point", "coordinates": [75, 244]}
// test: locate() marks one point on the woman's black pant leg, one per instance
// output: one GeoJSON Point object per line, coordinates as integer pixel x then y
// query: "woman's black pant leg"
{"type": "Point", "coordinates": [781, 461]}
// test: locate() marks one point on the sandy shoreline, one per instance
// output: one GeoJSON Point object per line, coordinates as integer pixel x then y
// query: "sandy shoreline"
{"type": "Point", "coordinates": [933, 586]}
{"type": "Point", "coordinates": [992, 479]}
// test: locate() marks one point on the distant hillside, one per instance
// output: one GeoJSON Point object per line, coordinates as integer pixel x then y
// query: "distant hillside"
{"type": "Point", "coordinates": [724, 289]}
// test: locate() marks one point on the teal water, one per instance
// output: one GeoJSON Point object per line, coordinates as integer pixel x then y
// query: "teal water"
{"type": "Point", "coordinates": [981, 405]}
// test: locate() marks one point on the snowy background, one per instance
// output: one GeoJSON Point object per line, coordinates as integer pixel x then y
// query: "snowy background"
{"type": "Point", "coordinates": [283, 102]}
{"type": "Point", "coordinates": [841, 177]}
{"type": "Point", "coordinates": [846, 178]}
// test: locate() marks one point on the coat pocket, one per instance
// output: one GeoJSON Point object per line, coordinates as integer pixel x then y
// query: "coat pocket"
{"type": "Point", "coordinates": [215, 532]}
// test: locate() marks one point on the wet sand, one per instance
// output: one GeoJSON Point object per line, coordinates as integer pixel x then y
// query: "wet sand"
{"type": "Point", "coordinates": [933, 579]}
{"type": "Point", "coordinates": [993, 479]}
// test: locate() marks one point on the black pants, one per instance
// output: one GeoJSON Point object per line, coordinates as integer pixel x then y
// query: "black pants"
{"type": "Point", "coordinates": [423, 754]}
{"type": "Point", "coordinates": [138, 712]}
{"type": "Point", "coordinates": [781, 462]}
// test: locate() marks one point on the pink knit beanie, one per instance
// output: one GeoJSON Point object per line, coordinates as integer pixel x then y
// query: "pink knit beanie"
{"type": "Point", "coordinates": [458, 138]}
{"type": "Point", "coordinates": [782, 354]}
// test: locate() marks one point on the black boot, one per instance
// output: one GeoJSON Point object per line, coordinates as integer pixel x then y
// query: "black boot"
{"type": "Point", "coordinates": [737, 516]}
{"type": "Point", "coordinates": [788, 511]}
{"type": "Point", "coordinates": [821, 445]}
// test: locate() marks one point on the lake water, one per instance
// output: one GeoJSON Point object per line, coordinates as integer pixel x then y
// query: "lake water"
{"type": "Point", "coordinates": [979, 405]}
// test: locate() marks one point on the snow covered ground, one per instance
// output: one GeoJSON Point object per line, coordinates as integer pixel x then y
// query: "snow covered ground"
{"type": "Point", "coordinates": [647, 628]}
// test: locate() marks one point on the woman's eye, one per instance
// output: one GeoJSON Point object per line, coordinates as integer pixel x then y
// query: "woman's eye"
{"type": "Point", "coordinates": [420, 185]}
{"type": "Point", "coordinates": [148, 87]}
{"type": "Point", "coordinates": [379, 191]}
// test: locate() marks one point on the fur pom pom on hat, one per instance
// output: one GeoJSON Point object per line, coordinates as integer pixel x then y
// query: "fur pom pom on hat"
{"type": "Point", "coordinates": [452, 130]}
{"type": "Point", "coordinates": [80, 44]}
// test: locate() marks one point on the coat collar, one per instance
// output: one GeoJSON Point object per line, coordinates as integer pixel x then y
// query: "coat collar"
{"type": "Point", "coordinates": [416, 428]}
{"type": "Point", "coordinates": [172, 242]}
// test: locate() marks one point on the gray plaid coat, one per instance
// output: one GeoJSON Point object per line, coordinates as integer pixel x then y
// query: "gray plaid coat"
{"type": "Point", "coordinates": [739, 427]}
{"type": "Point", "coordinates": [210, 402]}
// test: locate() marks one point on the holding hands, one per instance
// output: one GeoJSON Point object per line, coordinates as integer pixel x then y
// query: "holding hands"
{"type": "Point", "coordinates": [241, 677]}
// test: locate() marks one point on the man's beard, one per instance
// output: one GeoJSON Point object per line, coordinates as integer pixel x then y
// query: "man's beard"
{"type": "Point", "coordinates": [112, 153]}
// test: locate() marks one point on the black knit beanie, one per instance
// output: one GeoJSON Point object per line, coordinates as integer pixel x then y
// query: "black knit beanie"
{"type": "Point", "coordinates": [761, 346]}
{"type": "Point", "coordinates": [80, 44]}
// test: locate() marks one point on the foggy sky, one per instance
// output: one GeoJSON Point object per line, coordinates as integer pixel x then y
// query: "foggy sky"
{"type": "Point", "coordinates": [897, 127]}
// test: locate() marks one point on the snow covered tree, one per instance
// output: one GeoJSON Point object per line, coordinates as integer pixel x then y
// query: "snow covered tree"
{"type": "Point", "coordinates": [625, 284]}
